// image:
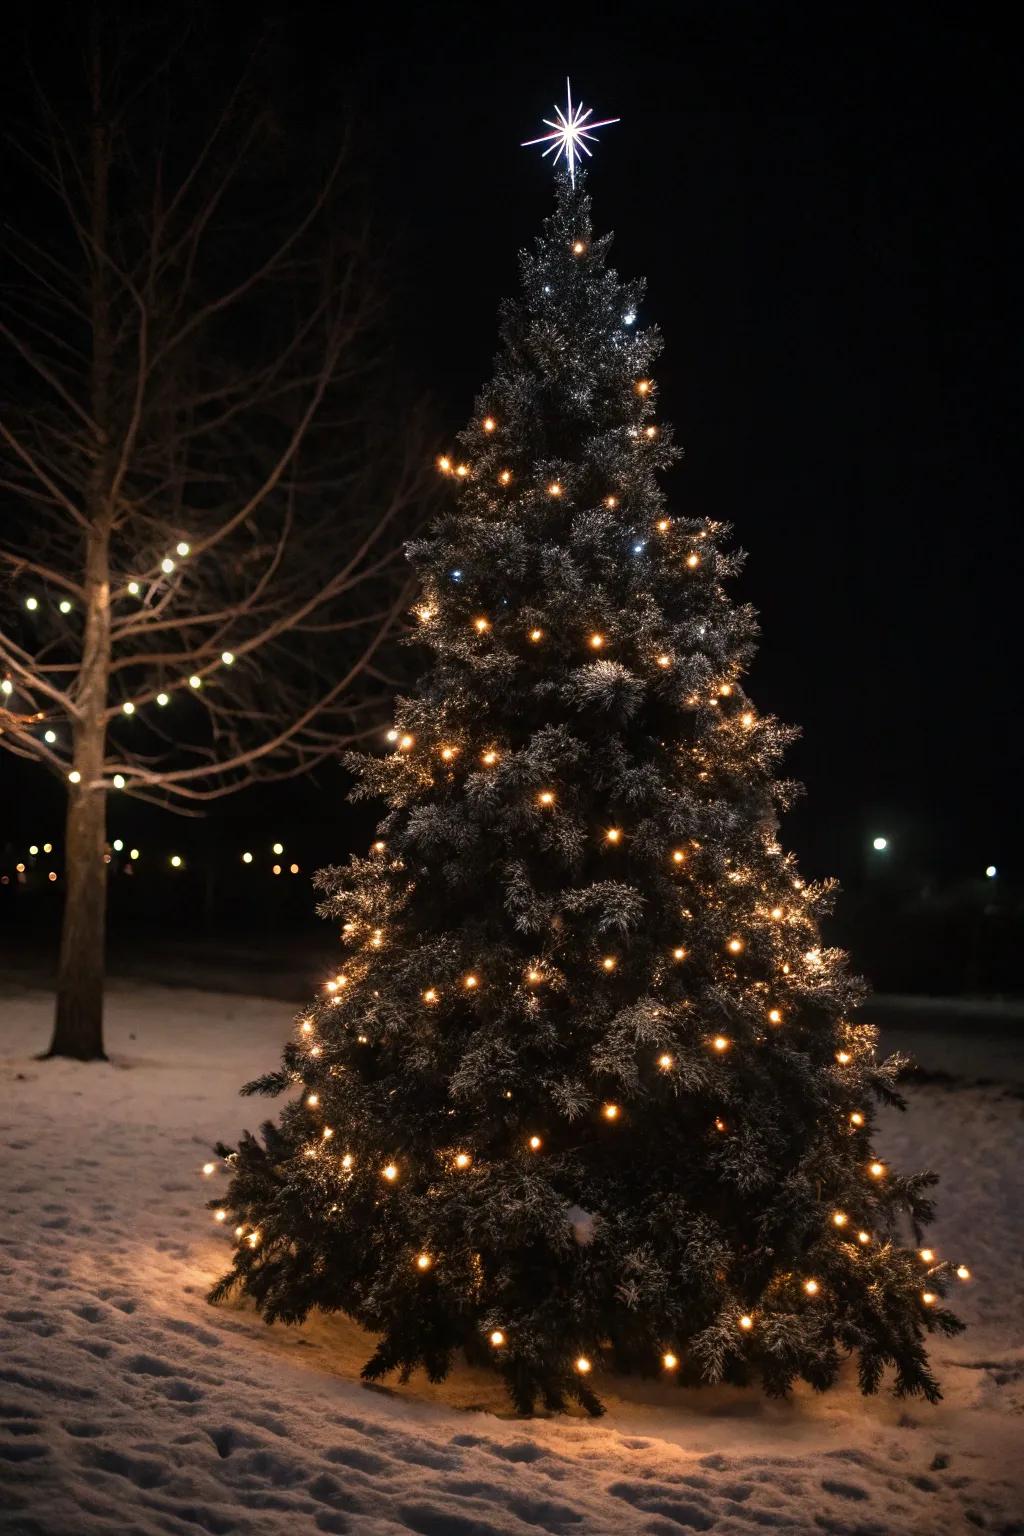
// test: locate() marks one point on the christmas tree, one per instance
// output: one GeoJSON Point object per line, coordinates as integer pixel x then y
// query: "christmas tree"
{"type": "Point", "coordinates": [586, 1091]}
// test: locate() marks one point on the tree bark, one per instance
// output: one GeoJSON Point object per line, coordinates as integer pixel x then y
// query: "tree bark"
{"type": "Point", "coordinates": [78, 1027]}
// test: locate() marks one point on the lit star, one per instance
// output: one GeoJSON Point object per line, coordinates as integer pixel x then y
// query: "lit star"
{"type": "Point", "coordinates": [569, 133]}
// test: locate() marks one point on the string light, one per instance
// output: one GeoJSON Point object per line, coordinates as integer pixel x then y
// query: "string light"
{"type": "Point", "coordinates": [505, 476]}
{"type": "Point", "coordinates": [747, 719]}
{"type": "Point", "coordinates": [536, 634]}
{"type": "Point", "coordinates": [276, 869]}
{"type": "Point", "coordinates": [642, 386]}
{"type": "Point", "coordinates": [611, 502]}
{"type": "Point", "coordinates": [195, 681]}
{"type": "Point", "coordinates": [423, 1261]}
{"type": "Point", "coordinates": [64, 606]}
{"type": "Point", "coordinates": [929, 1298]}
{"type": "Point", "coordinates": [664, 524]}
{"type": "Point", "coordinates": [583, 1365]}
{"type": "Point", "coordinates": [650, 432]}
{"type": "Point", "coordinates": [735, 946]}
{"type": "Point", "coordinates": [481, 625]}
{"type": "Point", "coordinates": [313, 1100]}
{"type": "Point", "coordinates": [927, 1255]}
{"type": "Point", "coordinates": [246, 858]}
{"type": "Point", "coordinates": [693, 561]}
{"type": "Point", "coordinates": [864, 1238]}
{"type": "Point", "coordinates": [133, 854]}
{"type": "Point", "coordinates": [876, 1170]}
{"type": "Point", "coordinates": [811, 1287]}
{"type": "Point", "coordinates": [462, 1160]}
{"type": "Point", "coordinates": [278, 848]}
{"type": "Point", "coordinates": [725, 690]}
{"type": "Point", "coordinates": [746, 1322]}
{"type": "Point", "coordinates": [664, 661]}
{"type": "Point", "coordinates": [669, 1360]}
{"type": "Point", "coordinates": [379, 846]}
{"type": "Point", "coordinates": [430, 995]}
{"type": "Point", "coordinates": [306, 1026]}
{"type": "Point", "coordinates": [31, 603]}
{"type": "Point", "coordinates": [117, 845]}
{"type": "Point", "coordinates": [534, 1143]}
{"type": "Point", "coordinates": [488, 423]}
{"type": "Point", "coordinates": [678, 856]}
{"type": "Point", "coordinates": [469, 982]}
{"type": "Point", "coordinates": [167, 565]}
{"type": "Point", "coordinates": [405, 742]}
{"type": "Point", "coordinates": [679, 953]}
{"type": "Point", "coordinates": [775, 1016]}
{"type": "Point", "coordinates": [448, 753]}
{"type": "Point", "coordinates": [347, 1161]}
{"type": "Point", "coordinates": [609, 963]}
{"type": "Point", "coordinates": [134, 588]}
{"type": "Point", "coordinates": [389, 1172]}
{"type": "Point", "coordinates": [489, 758]}
{"type": "Point", "coordinates": [843, 1058]}
{"type": "Point", "coordinates": [128, 707]}
{"type": "Point", "coordinates": [856, 1118]}
{"type": "Point", "coordinates": [610, 1111]}
{"type": "Point", "coordinates": [554, 489]}
{"type": "Point", "coordinates": [777, 914]}
{"type": "Point", "coordinates": [720, 1043]}
{"type": "Point", "coordinates": [596, 642]}
{"type": "Point", "coordinates": [719, 1124]}
{"type": "Point", "coordinates": [578, 248]}
{"type": "Point", "coordinates": [119, 781]}
{"type": "Point", "coordinates": [665, 1062]}
{"type": "Point", "coordinates": [444, 464]}
{"type": "Point", "coordinates": [613, 835]}
{"type": "Point", "coordinates": [228, 658]}
{"type": "Point", "coordinates": [839, 1218]}
{"type": "Point", "coordinates": [497, 1338]}
{"type": "Point", "coordinates": [546, 797]}
{"type": "Point", "coordinates": [220, 1214]}
{"type": "Point", "coordinates": [462, 470]}
{"type": "Point", "coordinates": [183, 549]}
{"type": "Point", "coordinates": [328, 1130]}
{"type": "Point", "coordinates": [962, 1272]}
{"type": "Point", "coordinates": [162, 699]}
{"type": "Point", "coordinates": [176, 861]}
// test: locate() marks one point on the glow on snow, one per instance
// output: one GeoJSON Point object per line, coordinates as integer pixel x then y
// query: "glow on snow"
{"type": "Point", "coordinates": [569, 133]}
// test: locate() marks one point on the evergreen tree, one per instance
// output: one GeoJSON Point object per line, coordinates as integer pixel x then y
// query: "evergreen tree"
{"type": "Point", "coordinates": [586, 1091]}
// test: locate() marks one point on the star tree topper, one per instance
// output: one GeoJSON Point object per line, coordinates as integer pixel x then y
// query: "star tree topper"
{"type": "Point", "coordinates": [569, 133]}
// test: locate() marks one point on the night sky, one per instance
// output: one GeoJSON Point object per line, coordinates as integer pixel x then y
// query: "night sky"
{"type": "Point", "coordinates": [822, 201]}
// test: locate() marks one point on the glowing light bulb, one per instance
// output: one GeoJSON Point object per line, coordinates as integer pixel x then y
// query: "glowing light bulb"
{"type": "Point", "coordinates": [481, 625]}
{"type": "Point", "coordinates": [775, 1016]}
{"type": "Point", "coordinates": [720, 1043]}
{"type": "Point", "coordinates": [643, 386]}
{"type": "Point", "coordinates": [327, 1132]}
{"type": "Point", "coordinates": [583, 1365]}
{"type": "Point", "coordinates": [746, 719]}
{"type": "Point", "coordinates": [811, 1287]}
{"type": "Point", "coordinates": [31, 603]}
{"type": "Point", "coordinates": [629, 318]}
{"type": "Point", "coordinates": [578, 248]}
{"type": "Point", "coordinates": [927, 1255]}
{"type": "Point", "coordinates": [664, 524]}
{"type": "Point", "coordinates": [128, 707]}
{"type": "Point", "coordinates": [864, 1237]}
{"type": "Point", "coordinates": [119, 781]}
{"type": "Point", "coordinates": [609, 963]}
{"type": "Point", "coordinates": [693, 561]}
{"type": "Point", "coordinates": [462, 470]}
{"type": "Point", "coordinates": [962, 1272]}
{"type": "Point", "coordinates": [276, 869]}
{"type": "Point", "coordinates": [448, 753]}
{"type": "Point", "coordinates": [389, 1172]}
{"type": "Point", "coordinates": [278, 848]}
{"type": "Point", "coordinates": [596, 642]}
{"type": "Point", "coordinates": [469, 982]}
{"type": "Point", "coordinates": [777, 914]}
{"type": "Point", "coordinates": [746, 1322]}
{"type": "Point", "coordinates": [876, 1170]}
{"type": "Point", "coordinates": [725, 690]}
{"type": "Point", "coordinates": [405, 742]}
{"type": "Point", "coordinates": [880, 844]}
{"type": "Point", "coordinates": [347, 1160]}
{"type": "Point", "coordinates": [664, 661]}
{"type": "Point", "coordinates": [843, 1058]}
{"type": "Point", "coordinates": [167, 565]}
{"type": "Point", "coordinates": [183, 549]}
{"type": "Point", "coordinates": [246, 858]}
{"type": "Point", "coordinates": [134, 588]}
{"type": "Point", "coordinates": [613, 835]}
{"type": "Point", "coordinates": [536, 634]}
{"type": "Point", "coordinates": [430, 995]}
{"type": "Point", "coordinates": [220, 1215]}
{"type": "Point", "coordinates": [505, 476]}
{"type": "Point", "coordinates": [610, 1111]}
{"type": "Point", "coordinates": [735, 946]}
{"type": "Point", "coordinates": [34, 849]}
{"type": "Point", "coordinates": [195, 681]}
{"type": "Point", "coordinates": [307, 1026]}
{"type": "Point", "coordinates": [444, 464]}
{"type": "Point", "coordinates": [839, 1218]}
{"type": "Point", "coordinates": [678, 856]}
{"type": "Point", "coordinates": [379, 846]}
{"type": "Point", "coordinates": [117, 845]}
{"type": "Point", "coordinates": [669, 1360]}
{"type": "Point", "coordinates": [462, 1160]}
{"type": "Point", "coordinates": [228, 658]}
{"type": "Point", "coordinates": [650, 433]}
{"type": "Point", "coordinates": [175, 860]}
{"type": "Point", "coordinates": [856, 1118]}
{"type": "Point", "coordinates": [679, 953]}
{"type": "Point", "coordinates": [546, 797]}
{"type": "Point", "coordinates": [163, 698]}
{"type": "Point", "coordinates": [554, 489]}
{"type": "Point", "coordinates": [719, 1124]}
{"type": "Point", "coordinates": [489, 758]}
{"type": "Point", "coordinates": [991, 871]}
{"type": "Point", "coordinates": [313, 1099]}
{"type": "Point", "coordinates": [665, 1062]}
{"type": "Point", "coordinates": [488, 423]}
{"type": "Point", "coordinates": [64, 606]}
{"type": "Point", "coordinates": [48, 848]}
{"type": "Point", "coordinates": [611, 502]}
{"type": "Point", "coordinates": [133, 854]}
{"type": "Point", "coordinates": [535, 1143]}
{"type": "Point", "coordinates": [497, 1338]}
{"type": "Point", "coordinates": [929, 1298]}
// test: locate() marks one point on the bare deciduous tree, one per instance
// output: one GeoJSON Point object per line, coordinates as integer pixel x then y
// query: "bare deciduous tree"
{"type": "Point", "coordinates": [203, 501]}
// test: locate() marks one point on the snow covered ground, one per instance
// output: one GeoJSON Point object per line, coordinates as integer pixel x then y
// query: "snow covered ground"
{"type": "Point", "coordinates": [129, 1406]}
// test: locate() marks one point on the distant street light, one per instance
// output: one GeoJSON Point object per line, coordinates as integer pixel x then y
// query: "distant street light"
{"type": "Point", "coordinates": [880, 844]}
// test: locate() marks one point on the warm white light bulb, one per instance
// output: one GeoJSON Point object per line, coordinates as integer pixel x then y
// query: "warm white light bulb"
{"type": "Point", "coordinates": [195, 681]}
{"type": "Point", "coordinates": [128, 707]}
{"type": "Point", "coordinates": [167, 565]}
{"type": "Point", "coordinates": [183, 549]}
{"type": "Point", "coordinates": [246, 858]}
{"type": "Point", "coordinates": [64, 606]}
{"type": "Point", "coordinates": [278, 848]}
{"type": "Point", "coordinates": [134, 588]}
{"type": "Point", "coordinates": [228, 658]}
{"type": "Point", "coordinates": [162, 699]}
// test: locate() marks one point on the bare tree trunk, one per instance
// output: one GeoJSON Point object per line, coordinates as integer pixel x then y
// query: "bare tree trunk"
{"type": "Point", "coordinates": [78, 1028]}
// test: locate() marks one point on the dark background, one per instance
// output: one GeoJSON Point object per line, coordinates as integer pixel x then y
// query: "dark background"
{"type": "Point", "coordinates": [825, 203]}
